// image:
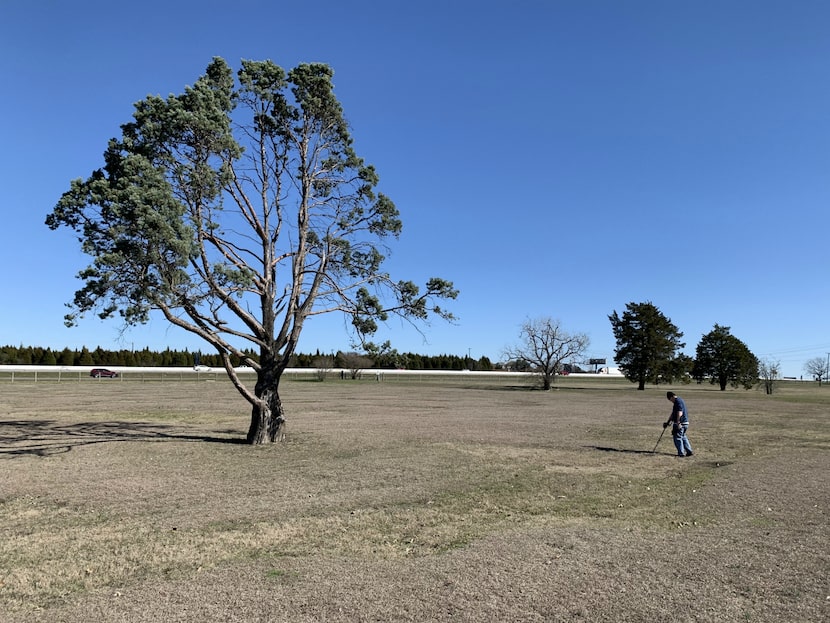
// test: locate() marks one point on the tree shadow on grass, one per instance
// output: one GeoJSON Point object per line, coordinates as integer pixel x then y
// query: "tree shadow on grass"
{"type": "Point", "coordinates": [501, 388]}
{"type": "Point", "coordinates": [537, 388]}
{"type": "Point", "coordinates": [48, 437]}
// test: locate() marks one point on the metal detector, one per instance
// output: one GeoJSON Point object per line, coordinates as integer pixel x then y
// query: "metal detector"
{"type": "Point", "coordinates": [658, 440]}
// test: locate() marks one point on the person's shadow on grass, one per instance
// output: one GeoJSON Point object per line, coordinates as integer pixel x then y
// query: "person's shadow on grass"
{"type": "Point", "coordinates": [622, 450]}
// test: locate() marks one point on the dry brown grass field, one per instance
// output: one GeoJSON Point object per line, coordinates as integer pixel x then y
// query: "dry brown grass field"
{"type": "Point", "coordinates": [427, 500]}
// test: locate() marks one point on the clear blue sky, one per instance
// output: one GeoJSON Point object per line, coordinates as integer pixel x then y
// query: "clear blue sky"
{"type": "Point", "coordinates": [552, 158]}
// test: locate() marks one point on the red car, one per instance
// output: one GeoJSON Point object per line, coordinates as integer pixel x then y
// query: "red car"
{"type": "Point", "coordinates": [103, 372]}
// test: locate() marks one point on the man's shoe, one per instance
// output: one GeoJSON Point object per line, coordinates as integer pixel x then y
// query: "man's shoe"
{"type": "Point", "coordinates": [690, 454]}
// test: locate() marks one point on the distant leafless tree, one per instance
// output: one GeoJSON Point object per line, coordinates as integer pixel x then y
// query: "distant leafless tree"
{"type": "Point", "coordinates": [817, 368]}
{"type": "Point", "coordinates": [323, 364]}
{"type": "Point", "coordinates": [356, 362]}
{"type": "Point", "coordinates": [769, 372]}
{"type": "Point", "coordinates": [546, 347]}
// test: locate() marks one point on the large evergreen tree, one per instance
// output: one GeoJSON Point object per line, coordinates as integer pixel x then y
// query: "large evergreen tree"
{"type": "Point", "coordinates": [647, 345]}
{"type": "Point", "coordinates": [239, 209]}
{"type": "Point", "coordinates": [724, 360]}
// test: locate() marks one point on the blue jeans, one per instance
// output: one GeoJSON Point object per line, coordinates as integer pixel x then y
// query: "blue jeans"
{"type": "Point", "coordinates": [681, 442]}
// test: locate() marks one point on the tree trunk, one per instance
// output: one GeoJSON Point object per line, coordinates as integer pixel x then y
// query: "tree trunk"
{"type": "Point", "coordinates": [268, 416]}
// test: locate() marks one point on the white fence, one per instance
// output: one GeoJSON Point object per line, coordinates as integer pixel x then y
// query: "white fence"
{"type": "Point", "coordinates": [78, 374]}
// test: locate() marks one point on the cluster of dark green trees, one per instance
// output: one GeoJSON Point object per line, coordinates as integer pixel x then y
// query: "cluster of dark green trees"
{"type": "Point", "coordinates": [648, 351]}
{"type": "Point", "coordinates": [38, 356]}
{"type": "Point", "coordinates": [395, 360]}
{"type": "Point", "coordinates": [35, 355]}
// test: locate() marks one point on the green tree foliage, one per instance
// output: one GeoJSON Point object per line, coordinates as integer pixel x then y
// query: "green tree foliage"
{"type": "Point", "coordinates": [647, 345]}
{"type": "Point", "coordinates": [382, 355]}
{"type": "Point", "coordinates": [66, 358]}
{"type": "Point", "coordinates": [24, 356]}
{"type": "Point", "coordinates": [84, 358]}
{"type": "Point", "coordinates": [47, 358]}
{"type": "Point", "coordinates": [238, 210]}
{"type": "Point", "coordinates": [724, 360]}
{"type": "Point", "coordinates": [677, 368]}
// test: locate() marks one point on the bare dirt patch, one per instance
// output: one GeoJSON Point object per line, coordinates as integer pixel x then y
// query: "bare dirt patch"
{"type": "Point", "coordinates": [410, 502]}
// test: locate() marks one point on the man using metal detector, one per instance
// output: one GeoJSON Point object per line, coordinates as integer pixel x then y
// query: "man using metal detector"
{"type": "Point", "coordinates": [679, 419]}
